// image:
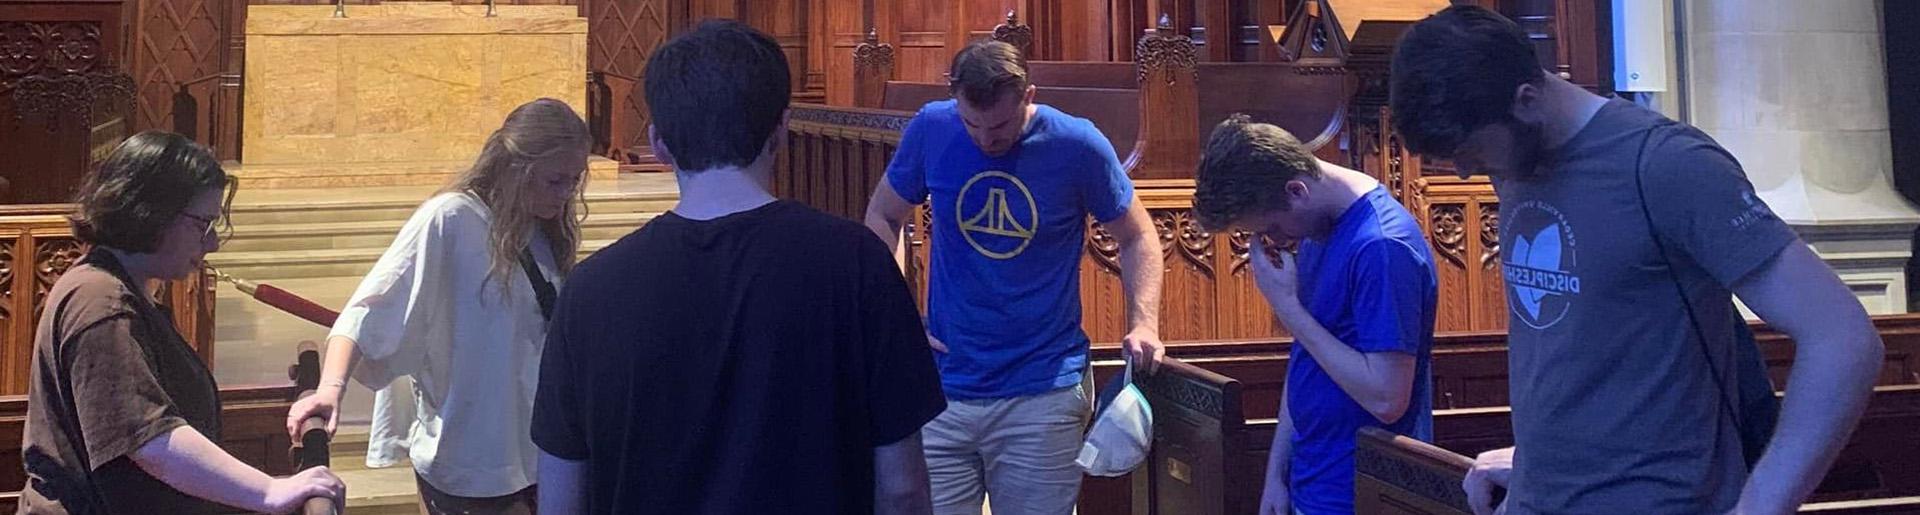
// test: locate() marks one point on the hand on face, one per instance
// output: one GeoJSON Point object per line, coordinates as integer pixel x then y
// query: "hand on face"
{"type": "Point", "coordinates": [1277, 281]}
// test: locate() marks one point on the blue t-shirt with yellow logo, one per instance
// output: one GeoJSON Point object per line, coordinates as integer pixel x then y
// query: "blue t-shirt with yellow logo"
{"type": "Point", "coordinates": [1003, 287]}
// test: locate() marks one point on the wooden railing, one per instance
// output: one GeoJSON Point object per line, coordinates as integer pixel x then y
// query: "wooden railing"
{"type": "Point", "coordinates": [1397, 474]}
{"type": "Point", "coordinates": [37, 246]}
{"type": "Point", "coordinates": [312, 449]}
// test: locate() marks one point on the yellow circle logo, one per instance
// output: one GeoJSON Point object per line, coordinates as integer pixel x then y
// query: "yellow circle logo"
{"type": "Point", "coordinates": [997, 224]}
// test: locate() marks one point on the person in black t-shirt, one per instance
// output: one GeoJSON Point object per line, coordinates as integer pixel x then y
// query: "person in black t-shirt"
{"type": "Point", "coordinates": [738, 354]}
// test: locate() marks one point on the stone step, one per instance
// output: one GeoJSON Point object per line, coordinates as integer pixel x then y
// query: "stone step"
{"type": "Point", "coordinates": [599, 225]}
{"type": "Point", "coordinates": [291, 264]}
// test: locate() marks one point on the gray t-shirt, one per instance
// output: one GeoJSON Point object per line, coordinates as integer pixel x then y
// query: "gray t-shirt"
{"type": "Point", "coordinates": [1614, 407]}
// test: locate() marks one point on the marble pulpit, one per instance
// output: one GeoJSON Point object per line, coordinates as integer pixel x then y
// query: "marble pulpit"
{"type": "Point", "coordinates": [397, 93]}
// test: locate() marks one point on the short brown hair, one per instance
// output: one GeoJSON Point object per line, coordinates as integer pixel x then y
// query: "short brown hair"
{"type": "Point", "coordinates": [141, 187]}
{"type": "Point", "coordinates": [985, 71]}
{"type": "Point", "coordinates": [1245, 170]}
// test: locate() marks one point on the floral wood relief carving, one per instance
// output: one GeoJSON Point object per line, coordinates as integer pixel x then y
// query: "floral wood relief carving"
{"type": "Point", "coordinates": [1448, 224]}
{"type": "Point", "coordinates": [1166, 53]}
{"type": "Point", "coordinates": [1013, 33]}
{"type": "Point", "coordinates": [1396, 165]}
{"type": "Point", "coordinates": [47, 48]}
{"type": "Point", "coordinates": [58, 67]}
{"type": "Point", "coordinates": [6, 278]}
{"type": "Point", "coordinates": [1489, 235]}
{"type": "Point", "coordinates": [51, 259]}
{"type": "Point", "coordinates": [1104, 247]}
{"type": "Point", "coordinates": [871, 53]}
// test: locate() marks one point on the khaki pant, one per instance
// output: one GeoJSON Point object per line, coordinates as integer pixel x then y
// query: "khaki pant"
{"type": "Point", "coordinates": [1017, 453]}
{"type": "Point", "coordinates": [435, 502]}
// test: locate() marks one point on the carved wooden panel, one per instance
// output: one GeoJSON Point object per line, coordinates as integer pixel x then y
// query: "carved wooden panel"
{"type": "Point", "coordinates": [182, 44]}
{"type": "Point", "coordinates": [621, 36]}
{"type": "Point", "coordinates": [1462, 218]}
{"type": "Point", "coordinates": [60, 87]}
{"type": "Point", "coordinates": [36, 248]}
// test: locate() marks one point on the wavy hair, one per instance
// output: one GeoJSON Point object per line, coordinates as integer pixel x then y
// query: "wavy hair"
{"type": "Point", "coordinates": [502, 178]}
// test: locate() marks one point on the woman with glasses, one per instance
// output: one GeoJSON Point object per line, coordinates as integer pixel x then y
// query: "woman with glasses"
{"type": "Point", "coordinates": [459, 305]}
{"type": "Point", "coordinates": [122, 416]}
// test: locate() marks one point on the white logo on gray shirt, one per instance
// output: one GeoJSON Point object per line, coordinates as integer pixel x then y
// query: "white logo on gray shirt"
{"type": "Point", "coordinates": [1538, 265]}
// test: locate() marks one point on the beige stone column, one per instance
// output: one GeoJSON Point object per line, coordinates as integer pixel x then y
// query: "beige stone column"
{"type": "Point", "coordinates": [1796, 89]}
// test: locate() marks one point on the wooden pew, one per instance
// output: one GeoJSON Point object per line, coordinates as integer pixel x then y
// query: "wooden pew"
{"type": "Point", "coordinates": [1114, 110]}
{"type": "Point", "coordinates": [1208, 459]}
{"type": "Point", "coordinates": [1399, 475]}
{"type": "Point", "coordinates": [1196, 464]}
{"type": "Point", "coordinates": [1394, 474]}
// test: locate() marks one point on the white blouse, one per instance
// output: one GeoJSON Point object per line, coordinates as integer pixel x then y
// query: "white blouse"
{"type": "Point", "coordinates": [428, 311]}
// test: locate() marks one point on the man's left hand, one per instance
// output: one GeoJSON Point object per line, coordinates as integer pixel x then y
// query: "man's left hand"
{"type": "Point", "coordinates": [1144, 347]}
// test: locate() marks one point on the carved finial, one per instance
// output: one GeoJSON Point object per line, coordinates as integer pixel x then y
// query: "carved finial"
{"type": "Point", "coordinates": [1013, 33]}
{"type": "Point", "coordinates": [1166, 22]}
{"type": "Point", "coordinates": [873, 35]}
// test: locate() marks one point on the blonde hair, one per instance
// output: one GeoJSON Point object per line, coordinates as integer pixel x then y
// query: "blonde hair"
{"type": "Point", "coordinates": [503, 175]}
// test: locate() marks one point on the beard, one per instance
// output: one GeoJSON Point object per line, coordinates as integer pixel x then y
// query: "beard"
{"type": "Point", "coordinates": [1528, 150]}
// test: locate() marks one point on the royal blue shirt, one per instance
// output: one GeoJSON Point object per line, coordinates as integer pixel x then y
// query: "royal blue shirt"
{"type": "Point", "coordinates": [1003, 288]}
{"type": "Point", "coordinates": [1370, 283]}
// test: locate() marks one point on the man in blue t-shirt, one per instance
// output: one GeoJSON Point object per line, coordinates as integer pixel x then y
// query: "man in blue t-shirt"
{"type": "Point", "coordinates": [1012, 184]}
{"type": "Point", "coordinates": [1359, 299]}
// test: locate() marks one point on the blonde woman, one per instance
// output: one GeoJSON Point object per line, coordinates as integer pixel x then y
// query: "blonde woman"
{"type": "Point", "coordinates": [459, 305]}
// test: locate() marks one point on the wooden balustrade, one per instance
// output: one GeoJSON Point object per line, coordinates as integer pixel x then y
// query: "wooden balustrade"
{"type": "Point", "coordinates": [37, 246]}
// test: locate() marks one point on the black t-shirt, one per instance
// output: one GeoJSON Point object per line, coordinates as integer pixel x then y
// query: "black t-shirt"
{"type": "Point", "coordinates": [110, 373]}
{"type": "Point", "coordinates": [746, 364]}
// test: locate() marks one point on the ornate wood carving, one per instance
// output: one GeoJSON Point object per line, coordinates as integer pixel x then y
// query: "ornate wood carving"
{"type": "Point", "coordinates": [1187, 391]}
{"type": "Point", "coordinates": [1396, 159]}
{"type": "Point", "coordinates": [94, 96]}
{"type": "Point", "coordinates": [1166, 226]}
{"type": "Point", "coordinates": [1180, 233]}
{"type": "Point", "coordinates": [879, 120]}
{"type": "Point", "coordinates": [1314, 40]}
{"type": "Point", "coordinates": [1013, 33]}
{"type": "Point", "coordinates": [1240, 244]}
{"type": "Point", "coordinates": [1448, 224]}
{"type": "Point", "coordinates": [52, 258]}
{"type": "Point", "coordinates": [48, 48]}
{"type": "Point", "coordinates": [1427, 483]}
{"type": "Point", "coordinates": [1166, 53]}
{"type": "Point", "coordinates": [6, 280]}
{"type": "Point", "coordinates": [60, 67]}
{"type": "Point", "coordinates": [1489, 235]}
{"type": "Point", "coordinates": [872, 53]}
{"type": "Point", "coordinates": [872, 68]}
{"type": "Point", "coordinates": [1104, 248]}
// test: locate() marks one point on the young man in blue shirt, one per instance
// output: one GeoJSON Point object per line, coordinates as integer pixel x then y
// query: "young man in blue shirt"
{"type": "Point", "coordinates": [1012, 184]}
{"type": "Point", "coordinates": [1359, 300]}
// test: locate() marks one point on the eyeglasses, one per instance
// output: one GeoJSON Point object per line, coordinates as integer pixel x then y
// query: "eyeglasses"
{"type": "Point", "coordinates": [216, 225]}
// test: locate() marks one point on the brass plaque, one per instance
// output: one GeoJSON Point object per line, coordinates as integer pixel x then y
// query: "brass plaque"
{"type": "Point", "coordinates": [1179, 470]}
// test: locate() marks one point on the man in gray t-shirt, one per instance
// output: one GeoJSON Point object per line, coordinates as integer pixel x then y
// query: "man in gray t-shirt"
{"type": "Point", "coordinates": [1625, 238]}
